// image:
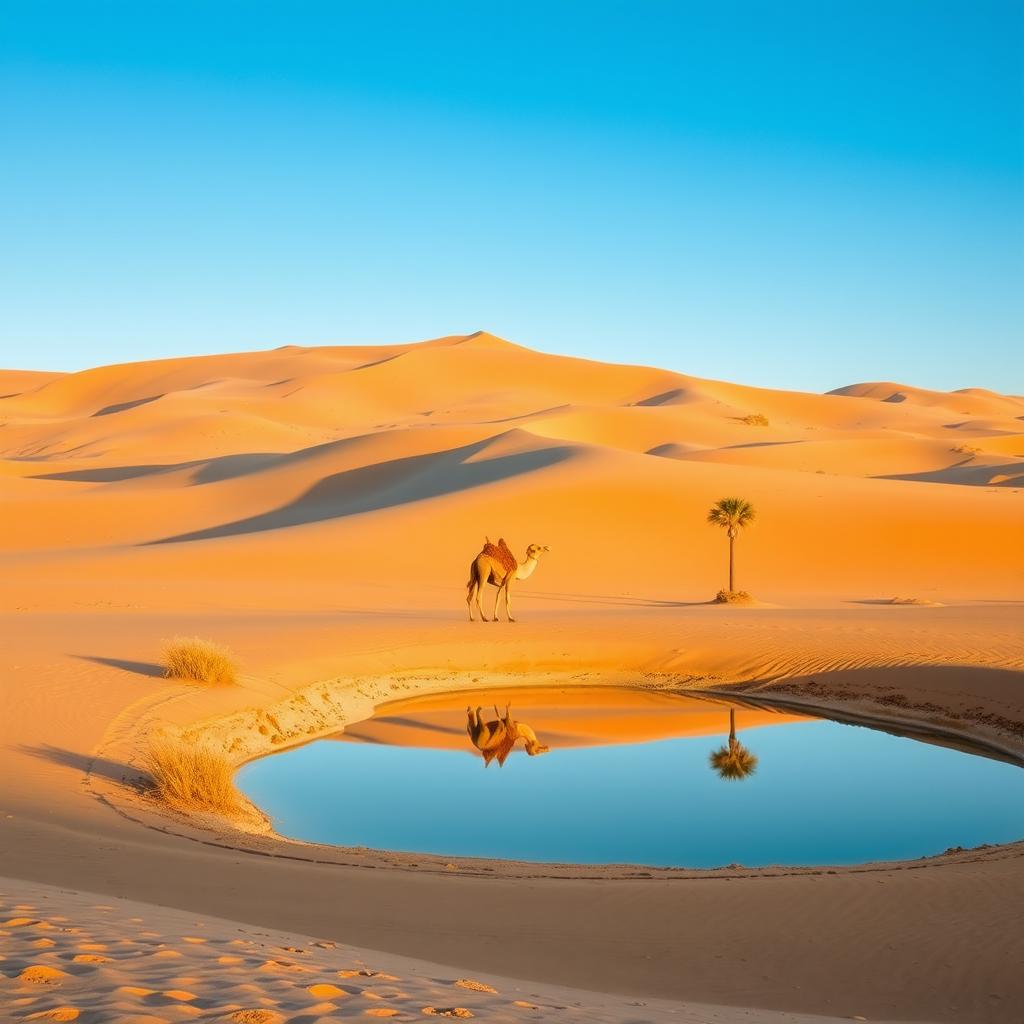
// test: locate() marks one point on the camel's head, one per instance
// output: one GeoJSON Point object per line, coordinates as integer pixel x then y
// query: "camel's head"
{"type": "Point", "coordinates": [536, 550]}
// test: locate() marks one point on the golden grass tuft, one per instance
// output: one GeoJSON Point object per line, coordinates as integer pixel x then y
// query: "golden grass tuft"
{"type": "Point", "coordinates": [201, 661]}
{"type": "Point", "coordinates": [191, 777]}
{"type": "Point", "coordinates": [733, 597]}
{"type": "Point", "coordinates": [755, 419]}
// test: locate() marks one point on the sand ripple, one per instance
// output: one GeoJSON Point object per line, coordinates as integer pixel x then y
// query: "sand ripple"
{"type": "Point", "coordinates": [100, 966]}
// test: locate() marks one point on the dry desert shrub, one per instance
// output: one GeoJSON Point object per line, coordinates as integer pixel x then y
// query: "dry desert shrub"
{"type": "Point", "coordinates": [756, 419]}
{"type": "Point", "coordinates": [191, 777]}
{"type": "Point", "coordinates": [202, 661]}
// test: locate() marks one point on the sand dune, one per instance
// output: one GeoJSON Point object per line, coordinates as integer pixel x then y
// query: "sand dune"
{"type": "Point", "coordinates": [316, 509]}
{"type": "Point", "coordinates": [330, 450]}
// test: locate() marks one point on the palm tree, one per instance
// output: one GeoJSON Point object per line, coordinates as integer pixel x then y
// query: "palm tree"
{"type": "Point", "coordinates": [734, 761]}
{"type": "Point", "coordinates": [732, 514]}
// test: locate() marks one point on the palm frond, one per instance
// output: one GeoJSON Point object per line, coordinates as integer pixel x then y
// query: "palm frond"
{"type": "Point", "coordinates": [731, 512]}
{"type": "Point", "coordinates": [733, 762]}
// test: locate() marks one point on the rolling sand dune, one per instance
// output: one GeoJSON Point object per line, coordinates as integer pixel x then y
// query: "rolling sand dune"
{"type": "Point", "coordinates": [317, 510]}
{"type": "Point", "coordinates": [332, 449]}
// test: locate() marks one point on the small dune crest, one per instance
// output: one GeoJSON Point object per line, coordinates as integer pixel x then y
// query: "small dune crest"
{"type": "Point", "coordinates": [972, 402]}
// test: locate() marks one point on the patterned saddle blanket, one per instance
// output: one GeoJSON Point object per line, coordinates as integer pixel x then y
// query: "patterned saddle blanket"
{"type": "Point", "coordinates": [501, 553]}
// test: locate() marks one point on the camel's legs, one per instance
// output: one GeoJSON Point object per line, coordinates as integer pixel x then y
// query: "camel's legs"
{"type": "Point", "coordinates": [508, 603]}
{"type": "Point", "coordinates": [497, 598]}
{"type": "Point", "coordinates": [475, 596]}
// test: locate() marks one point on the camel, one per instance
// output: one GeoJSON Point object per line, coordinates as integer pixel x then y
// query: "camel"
{"type": "Point", "coordinates": [496, 739]}
{"type": "Point", "coordinates": [498, 566]}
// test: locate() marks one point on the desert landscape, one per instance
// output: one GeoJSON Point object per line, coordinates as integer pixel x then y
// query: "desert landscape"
{"type": "Point", "coordinates": [315, 510]}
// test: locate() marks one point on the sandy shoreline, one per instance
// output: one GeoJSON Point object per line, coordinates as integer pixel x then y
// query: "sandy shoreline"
{"type": "Point", "coordinates": [632, 935]}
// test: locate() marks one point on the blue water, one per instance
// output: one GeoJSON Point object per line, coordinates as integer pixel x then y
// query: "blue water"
{"type": "Point", "coordinates": [823, 793]}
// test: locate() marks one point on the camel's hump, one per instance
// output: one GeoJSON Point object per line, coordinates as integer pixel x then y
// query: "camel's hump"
{"type": "Point", "coordinates": [501, 553]}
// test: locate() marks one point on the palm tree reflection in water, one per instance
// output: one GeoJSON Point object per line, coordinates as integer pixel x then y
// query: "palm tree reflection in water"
{"type": "Point", "coordinates": [733, 761]}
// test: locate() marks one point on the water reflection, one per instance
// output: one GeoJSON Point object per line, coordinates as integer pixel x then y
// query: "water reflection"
{"type": "Point", "coordinates": [734, 761]}
{"type": "Point", "coordinates": [496, 739]}
{"type": "Point", "coordinates": [618, 759]}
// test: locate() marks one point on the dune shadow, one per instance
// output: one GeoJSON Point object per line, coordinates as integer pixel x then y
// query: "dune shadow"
{"type": "Point", "coordinates": [206, 471]}
{"type": "Point", "coordinates": [761, 444]}
{"type": "Point", "coordinates": [109, 410]}
{"type": "Point", "coordinates": [111, 474]}
{"type": "Point", "coordinates": [141, 668]}
{"type": "Point", "coordinates": [385, 485]}
{"type": "Point", "coordinates": [965, 473]}
{"type": "Point", "coordinates": [422, 725]}
{"type": "Point", "coordinates": [674, 396]}
{"type": "Point", "coordinates": [87, 764]}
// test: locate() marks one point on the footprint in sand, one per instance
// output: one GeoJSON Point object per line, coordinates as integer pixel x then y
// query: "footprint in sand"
{"type": "Point", "coordinates": [475, 986]}
{"type": "Point", "coordinates": [286, 966]}
{"type": "Point", "coordinates": [326, 991]}
{"type": "Point", "coordinates": [64, 1013]}
{"type": "Point", "coordinates": [257, 1016]}
{"type": "Point", "coordinates": [179, 995]}
{"type": "Point", "coordinates": [40, 974]}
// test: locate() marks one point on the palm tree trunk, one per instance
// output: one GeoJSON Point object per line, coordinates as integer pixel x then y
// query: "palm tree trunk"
{"type": "Point", "coordinates": [732, 586]}
{"type": "Point", "coordinates": [732, 726]}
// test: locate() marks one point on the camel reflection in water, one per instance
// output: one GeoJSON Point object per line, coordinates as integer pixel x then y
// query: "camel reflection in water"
{"type": "Point", "coordinates": [497, 738]}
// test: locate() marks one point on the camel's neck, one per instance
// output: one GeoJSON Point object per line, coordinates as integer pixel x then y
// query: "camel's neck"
{"type": "Point", "coordinates": [525, 571]}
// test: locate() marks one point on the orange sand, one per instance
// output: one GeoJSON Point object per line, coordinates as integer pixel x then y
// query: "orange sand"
{"type": "Point", "coordinates": [317, 511]}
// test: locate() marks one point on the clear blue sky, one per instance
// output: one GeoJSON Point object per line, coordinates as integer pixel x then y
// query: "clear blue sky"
{"type": "Point", "coordinates": [798, 194]}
